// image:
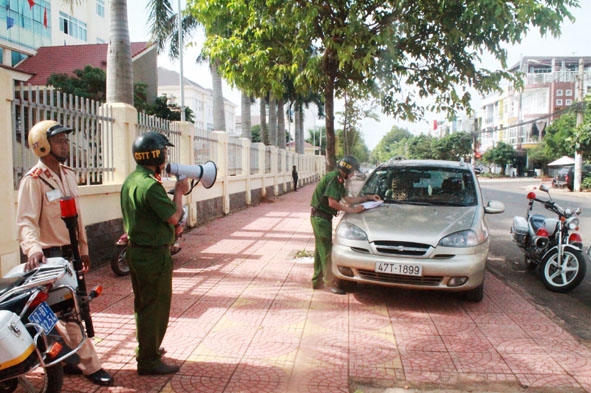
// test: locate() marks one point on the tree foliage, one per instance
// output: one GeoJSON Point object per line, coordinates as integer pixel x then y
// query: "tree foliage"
{"type": "Point", "coordinates": [453, 147]}
{"type": "Point", "coordinates": [91, 83]}
{"type": "Point", "coordinates": [398, 51]}
{"type": "Point", "coordinates": [352, 143]}
{"type": "Point", "coordinates": [502, 155]}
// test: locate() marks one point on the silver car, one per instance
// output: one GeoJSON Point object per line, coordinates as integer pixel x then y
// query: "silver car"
{"type": "Point", "coordinates": [430, 232]}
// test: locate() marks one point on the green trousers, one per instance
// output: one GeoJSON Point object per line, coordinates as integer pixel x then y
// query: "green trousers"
{"type": "Point", "coordinates": [323, 242]}
{"type": "Point", "coordinates": [151, 279]}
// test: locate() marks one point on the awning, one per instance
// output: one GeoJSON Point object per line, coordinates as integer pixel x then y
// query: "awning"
{"type": "Point", "coordinates": [564, 160]}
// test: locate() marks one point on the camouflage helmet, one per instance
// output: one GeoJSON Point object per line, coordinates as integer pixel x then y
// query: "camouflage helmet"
{"type": "Point", "coordinates": [148, 148]}
{"type": "Point", "coordinates": [39, 134]}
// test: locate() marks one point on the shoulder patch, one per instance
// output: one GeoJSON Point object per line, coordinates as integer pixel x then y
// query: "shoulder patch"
{"type": "Point", "coordinates": [35, 173]}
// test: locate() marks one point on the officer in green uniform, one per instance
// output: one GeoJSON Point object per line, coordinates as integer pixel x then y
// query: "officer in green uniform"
{"type": "Point", "coordinates": [326, 203]}
{"type": "Point", "coordinates": [151, 220]}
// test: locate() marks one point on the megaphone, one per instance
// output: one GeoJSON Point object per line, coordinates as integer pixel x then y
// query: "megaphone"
{"type": "Point", "coordinates": [207, 172]}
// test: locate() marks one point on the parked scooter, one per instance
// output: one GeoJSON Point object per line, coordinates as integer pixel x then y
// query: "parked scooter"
{"type": "Point", "coordinates": [31, 350]}
{"type": "Point", "coordinates": [551, 244]}
{"type": "Point", "coordinates": [119, 262]}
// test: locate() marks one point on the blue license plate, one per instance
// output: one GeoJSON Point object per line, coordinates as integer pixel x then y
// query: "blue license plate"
{"type": "Point", "coordinates": [44, 317]}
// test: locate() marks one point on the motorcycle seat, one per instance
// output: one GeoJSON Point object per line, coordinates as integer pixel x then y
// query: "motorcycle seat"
{"type": "Point", "coordinates": [537, 221]}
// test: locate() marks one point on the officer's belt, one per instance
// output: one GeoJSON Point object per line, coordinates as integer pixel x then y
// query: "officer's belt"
{"type": "Point", "coordinates": [57, 251]}
{"type": "Point", "coordinates": [135, 245]}
{"type": "Point", "coordinates": [319, 213]}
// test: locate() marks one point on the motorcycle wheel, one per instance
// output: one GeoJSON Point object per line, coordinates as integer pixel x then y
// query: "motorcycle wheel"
{"type": "Point", "coordinates": [39, 380]}
{"type": "Point", "coordinates": [119, 263]}
{"type": "Point", "coordinates": [565, 279]}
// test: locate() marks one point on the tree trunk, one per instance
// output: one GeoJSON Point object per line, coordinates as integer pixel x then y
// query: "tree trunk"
{"type": "Point", "coordinates": [281, 124]}
{"type": "Point", "coordinates": [263, 121]}
{"type": "Point", "coordinates": [296, 127]}
{"type": "Point", "coordinates": [119, 66]}
{"type": "Point", "coordinates": [329, 125]}
{"type": "Point", "coordinates": [272, 121]}
{"type": "Point", "coordinates": [219, 118]}
{"type": "Point", "coordinates": [245, 113]}
{"type": "Point", "coordinates": [300, 139]}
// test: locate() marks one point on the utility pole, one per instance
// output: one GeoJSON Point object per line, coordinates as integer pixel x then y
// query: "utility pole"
{"type": "Point", "coordinates": [181, 78]}
{"type": "Point", "coordinates": [578, 154]}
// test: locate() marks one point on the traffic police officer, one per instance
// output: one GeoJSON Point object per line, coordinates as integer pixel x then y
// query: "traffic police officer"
{"type": "Point", "coordinates": [151, 221]}
{"type": "Point", "coordinates": [328, 199]}
{"type": "Point", "coordinates": [41, 232]}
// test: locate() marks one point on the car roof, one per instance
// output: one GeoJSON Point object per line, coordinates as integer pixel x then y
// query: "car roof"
{"type": "Point", "coordinates": [426, 163]}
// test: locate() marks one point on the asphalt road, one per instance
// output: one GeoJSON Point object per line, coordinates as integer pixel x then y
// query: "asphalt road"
{"type": "Point", "coordinates": [572, 310]}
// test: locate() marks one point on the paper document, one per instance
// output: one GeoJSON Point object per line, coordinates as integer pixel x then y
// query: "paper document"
{"type": "Point", "coordinates": [371, 204]}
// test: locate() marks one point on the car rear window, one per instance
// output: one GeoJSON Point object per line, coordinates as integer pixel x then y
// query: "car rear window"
{"type": "Point", "coordinates": [422, 185]}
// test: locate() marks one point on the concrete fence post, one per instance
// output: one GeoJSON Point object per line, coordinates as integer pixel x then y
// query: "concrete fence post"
{"type": "Point", "coordinates": [9, 248]}
{"type": "Point", "coordinates": [222, 164]}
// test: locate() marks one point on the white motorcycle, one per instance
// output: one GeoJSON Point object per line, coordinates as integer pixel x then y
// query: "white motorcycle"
{"type": "Point", "coordinates": [551, 244]}
{"type": "Point", "coordinates": [31, 350]}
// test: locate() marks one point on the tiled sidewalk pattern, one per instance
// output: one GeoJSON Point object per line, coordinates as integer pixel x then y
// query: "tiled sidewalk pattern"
{"type": "Point", "coordinates": [245, 319]}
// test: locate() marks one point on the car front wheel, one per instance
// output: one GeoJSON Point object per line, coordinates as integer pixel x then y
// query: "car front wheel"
{"type": "Point", "coordinates": [475, 295]}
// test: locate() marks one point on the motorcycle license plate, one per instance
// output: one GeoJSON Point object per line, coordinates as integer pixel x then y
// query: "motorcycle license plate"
{"type": "Point", "coordinates": [399, 268]}
{"type": "Point", "coordinates": [44, 317]}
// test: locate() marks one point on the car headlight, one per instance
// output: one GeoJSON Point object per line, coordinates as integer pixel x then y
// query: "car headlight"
{"type": "Point", "coordinates": [460, 239]}
{"type": "Point", "coordinates": [349, 231]}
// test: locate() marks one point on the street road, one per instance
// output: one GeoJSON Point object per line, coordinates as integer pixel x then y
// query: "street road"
{"type": "Point", "coordinates": [506, 261]}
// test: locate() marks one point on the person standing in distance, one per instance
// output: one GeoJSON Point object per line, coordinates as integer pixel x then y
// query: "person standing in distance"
{"type": "Point", "coordinates": [42, 234]}
{"type": "Point", "coordinates": [328, 199]}
{"type": "Point", "coordinates": [294, 176]}
{"type": "Point", "coordinates": [151, 220]}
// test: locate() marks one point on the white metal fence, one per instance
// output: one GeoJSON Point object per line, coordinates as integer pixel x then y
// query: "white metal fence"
{"type": "Point", "coordinates": [91, 123]}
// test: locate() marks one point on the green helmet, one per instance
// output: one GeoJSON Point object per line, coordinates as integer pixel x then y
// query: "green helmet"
{"type": "Point", "coordinates": [348, 164]}
{"type": "Point", "coordinates": [148, 148]}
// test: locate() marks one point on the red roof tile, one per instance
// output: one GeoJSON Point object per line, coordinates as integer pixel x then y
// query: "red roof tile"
{"type": "Point", "coordinates": [67, 58]}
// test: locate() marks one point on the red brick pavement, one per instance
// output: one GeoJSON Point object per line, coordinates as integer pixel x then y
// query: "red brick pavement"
{"type": "Point", "coordinates": [245, 319]}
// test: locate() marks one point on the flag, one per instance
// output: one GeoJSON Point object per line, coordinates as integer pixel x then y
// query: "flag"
{"type": "Point", "coordinates": [31, 3]}
{"type": "Point", "coordinates": [45, 17]}
{"type": "Point", "coordinates": [9, 22]}
{"type": "Point", "coordinates": [22, 15]}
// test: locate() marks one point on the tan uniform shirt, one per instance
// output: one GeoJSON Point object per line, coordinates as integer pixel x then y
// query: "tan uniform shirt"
{"type": "Point", "coordinates": [38, 219]}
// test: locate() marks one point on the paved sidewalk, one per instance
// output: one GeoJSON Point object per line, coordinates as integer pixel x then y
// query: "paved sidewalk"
{"type": "Point", "coordinates": [245, 319]}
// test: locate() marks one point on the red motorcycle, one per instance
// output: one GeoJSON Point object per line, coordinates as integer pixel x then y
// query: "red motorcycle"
{"type": "Point", "coordinates": [119, 262]}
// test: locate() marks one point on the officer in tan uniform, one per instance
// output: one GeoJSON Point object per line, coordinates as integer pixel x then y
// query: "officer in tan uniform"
{"type": "Point", "coordinates": [43, 234]}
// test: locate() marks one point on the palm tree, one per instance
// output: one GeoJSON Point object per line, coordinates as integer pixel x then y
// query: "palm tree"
{"type": "Point", "coordinates": [164, 24]}
{"type": "Point", "coordinates": [119, 66]}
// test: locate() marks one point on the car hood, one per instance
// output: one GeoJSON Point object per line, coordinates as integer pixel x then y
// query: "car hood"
{"type": "Point", "coordinates": [413, 223]}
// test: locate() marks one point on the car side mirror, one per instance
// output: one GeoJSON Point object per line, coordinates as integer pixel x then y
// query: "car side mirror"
{"type": "Point", "coordinates": [494, 207]}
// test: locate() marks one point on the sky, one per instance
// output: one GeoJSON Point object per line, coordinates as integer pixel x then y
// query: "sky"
{"type": "Point", "coordinates": [571, 42]}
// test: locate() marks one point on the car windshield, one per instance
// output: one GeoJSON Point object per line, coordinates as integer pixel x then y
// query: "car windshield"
{"type": "Point", "coordinates": [422, 185]}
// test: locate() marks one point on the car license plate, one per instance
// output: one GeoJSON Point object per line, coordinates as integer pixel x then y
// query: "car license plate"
{"type": "Point", "coordinates": [399, 268]}
{"type": "Point", "coordinates": [44, 317]}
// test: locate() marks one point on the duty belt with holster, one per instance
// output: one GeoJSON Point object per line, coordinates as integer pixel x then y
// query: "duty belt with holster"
{"type": "Point", "coordinates": [321, 214]}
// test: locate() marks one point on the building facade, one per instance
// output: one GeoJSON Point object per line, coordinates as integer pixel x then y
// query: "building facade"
{"type": "Point", "coordinates": [198, 99]}
{"type": "Point", "coordinates": [26, 25]}
{"type": "Point", "coordinates": [519, 116]}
